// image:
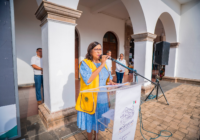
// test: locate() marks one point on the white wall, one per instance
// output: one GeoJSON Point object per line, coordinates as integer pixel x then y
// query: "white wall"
{"type": "Point", "coordinates": [28, 38]}
{"type": "Point", "coordinates": [58, 64]}
{"type": "Point", "coordinates": [154, 8]}
{"type": "Point", "coordinates": [188, 62]}
{"type": "Point", "coordinates": [92, 27]}
{"type": "Point", "coordinates": [28, 34]}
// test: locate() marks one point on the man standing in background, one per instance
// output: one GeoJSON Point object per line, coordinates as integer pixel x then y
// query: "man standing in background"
{"type": "Point", "coordinates": [36, 63]}
{"type": "Point", "coordinates": [109, 62]}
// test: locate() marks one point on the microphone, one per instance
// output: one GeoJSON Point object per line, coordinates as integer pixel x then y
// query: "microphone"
{"type": "Point", "coordinates": [100, 57]}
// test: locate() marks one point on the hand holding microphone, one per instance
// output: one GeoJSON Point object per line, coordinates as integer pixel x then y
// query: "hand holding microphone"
{"type": "Point", "coordinates": [104, 58]}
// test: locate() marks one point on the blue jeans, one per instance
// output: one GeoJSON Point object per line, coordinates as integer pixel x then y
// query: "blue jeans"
{"type": "Point", "coordinates": [119, 77]}
{"type": "Point", "coordinates": [38, 83]}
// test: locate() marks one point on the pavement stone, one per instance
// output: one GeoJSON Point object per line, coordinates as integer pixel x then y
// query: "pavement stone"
{"type": "Point", "coordinates": [181, 118]}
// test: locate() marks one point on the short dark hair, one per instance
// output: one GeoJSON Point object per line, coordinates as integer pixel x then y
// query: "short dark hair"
{"type": "Point", "coordinates": [38, 49]}
{"type": "Point", "coordinates": [90, 48]}
{"type": "Point", "coordinates": [108, 51]}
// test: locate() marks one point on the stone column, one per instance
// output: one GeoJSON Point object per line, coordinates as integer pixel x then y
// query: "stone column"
{"type": "Point", "coordinates": [58, 44]}
{"type": "Point", "coordinates": [170, 69]}
{"type": "Point", "coordinates": [143, 57]}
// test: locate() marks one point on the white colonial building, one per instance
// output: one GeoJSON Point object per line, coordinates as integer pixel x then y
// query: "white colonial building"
{"type": "Point", "coordinates": [65, 28]}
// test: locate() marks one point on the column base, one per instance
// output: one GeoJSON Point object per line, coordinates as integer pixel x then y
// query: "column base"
{"type": "Point", "coordinates": [170, 79]}
{"type": "Point", "coordinates": [181, 80]}
{"type": "Point", "coordinates": [57, 119]}
{"type": "Point", "coordinates": [147, 89]}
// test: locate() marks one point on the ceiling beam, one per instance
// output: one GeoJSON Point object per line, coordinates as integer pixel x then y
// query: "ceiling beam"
{"type": "Point", "coordinates": [104, 5]}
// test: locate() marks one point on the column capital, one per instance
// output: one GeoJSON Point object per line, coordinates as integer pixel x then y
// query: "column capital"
{"type": "Point", "coordinates": [144, 37]}
{"type": "Point", "coordinates": [174, 45]}
{"type": "Point", "coordinates": [49, 10]}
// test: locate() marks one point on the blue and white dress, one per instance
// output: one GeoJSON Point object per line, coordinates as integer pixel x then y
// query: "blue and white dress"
{"type": "Point", "coordinates": [86, 121]}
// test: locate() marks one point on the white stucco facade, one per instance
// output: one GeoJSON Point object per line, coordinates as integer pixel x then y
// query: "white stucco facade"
{"type": "Point", "coordinates": [59, 77]}
{"type": "Point", "coordinates": [90, 27]}
{"type": "Point", "coordinates": [180, 22]}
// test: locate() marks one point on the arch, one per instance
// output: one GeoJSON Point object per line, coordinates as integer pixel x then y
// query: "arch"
{"type": "Point", "coordinates": [117, 38]}
{"type": "Point", "coordinates": [110, 42]}
{"type": "Point", "coordinates": [77, 52]}
{"type": "Point", "coordinates": [169, 27]}
{"type": "Point", "coordinates": [77, 59]}
{"type": "Point", "coordinates": [136, 15]}
{"type": "Point", "coordinates": [79, 39]}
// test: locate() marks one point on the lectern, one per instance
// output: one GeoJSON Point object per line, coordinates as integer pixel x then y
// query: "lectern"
{"type": "Point", "coordinates": [117, 109]}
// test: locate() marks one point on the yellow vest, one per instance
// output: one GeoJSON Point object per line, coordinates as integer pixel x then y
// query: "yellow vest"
{"type": "Point", "coordinates": [87, 101]}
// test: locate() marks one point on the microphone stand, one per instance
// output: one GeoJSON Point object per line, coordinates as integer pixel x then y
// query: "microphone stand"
{"type": "Point", "coordinates": [157, 84]}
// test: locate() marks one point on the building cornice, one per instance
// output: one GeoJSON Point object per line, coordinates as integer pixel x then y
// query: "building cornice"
{"type": "Point", "coordinates": [144, 37]}
{"type": "Point", "coordinates": [49, 10]}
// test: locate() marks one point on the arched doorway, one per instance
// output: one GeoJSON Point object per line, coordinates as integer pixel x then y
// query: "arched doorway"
{"type": "Point", "coordinates": [110, 43]}
{"type": "Point", "coordinates": [76, 55]}
{"type": "Point", "coordinates": [166, 31]}
{"type": "Point", "coordinates": [160, 32]}
{"type": "Point", "coordinates": [77, 83]}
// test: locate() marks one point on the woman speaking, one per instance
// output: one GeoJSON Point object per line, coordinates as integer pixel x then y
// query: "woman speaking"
{"type": "Point", "coordinates": [93, 73]}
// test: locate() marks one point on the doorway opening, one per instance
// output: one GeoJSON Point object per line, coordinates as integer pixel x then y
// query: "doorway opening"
{"type": "Point", "coordinates": [76, 55]}
{"type": "Point", "coordinates": [77, 83]}
{"type": "Point", "coordinates": [160, 32]}
{"type": "Point", "coordinates": [110, 43]}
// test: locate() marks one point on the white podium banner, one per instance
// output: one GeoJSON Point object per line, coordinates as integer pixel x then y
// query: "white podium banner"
{"type": "Point", "coordinates": [126, 113]}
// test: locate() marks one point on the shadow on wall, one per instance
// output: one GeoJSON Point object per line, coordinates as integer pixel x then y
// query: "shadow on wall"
{"type": "Point", "coordinates": [173, 6]}
{"type": "Point", "coordinates": [190, 5]}
{"type": "Point", "coordinates": [69, 91]}
{"type": "Point", "coordinates": [68, 97]}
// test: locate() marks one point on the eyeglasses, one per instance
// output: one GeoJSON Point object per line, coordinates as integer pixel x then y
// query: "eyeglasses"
{"type": "Point", "coordinates": [97, 50]}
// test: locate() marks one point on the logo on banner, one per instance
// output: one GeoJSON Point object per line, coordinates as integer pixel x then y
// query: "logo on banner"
{"type": "Point", "coordinates": [125, 136]}
{"type": "Point", "coordinates": [126, 118]}
{"type": "Point", "coordinates": [126, 115]}
{"type": "Point", "coordinates": [126, 111]}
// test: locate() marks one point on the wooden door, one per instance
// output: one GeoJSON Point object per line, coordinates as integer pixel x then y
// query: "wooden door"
{"type": "Point", "coordinates": [110, 43]}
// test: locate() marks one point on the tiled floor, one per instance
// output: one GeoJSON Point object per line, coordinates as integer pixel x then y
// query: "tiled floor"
{"type": "Point", "coordinates": [181, 117]}
{"type": "Point", "coordinates": [32, 128]}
